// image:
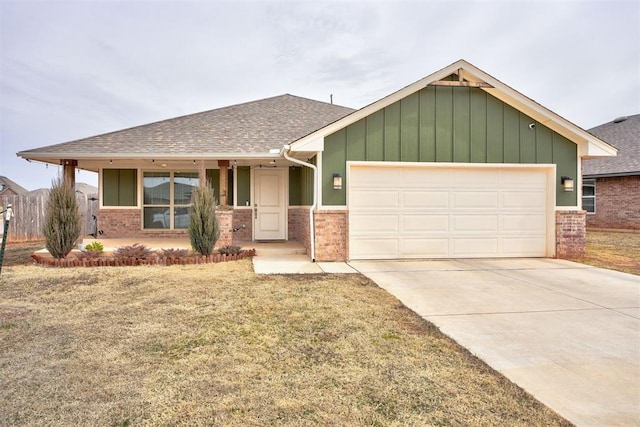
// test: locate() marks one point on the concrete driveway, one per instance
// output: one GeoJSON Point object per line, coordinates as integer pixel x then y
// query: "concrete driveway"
{"type": "Point", "coordinates": [567, 333]}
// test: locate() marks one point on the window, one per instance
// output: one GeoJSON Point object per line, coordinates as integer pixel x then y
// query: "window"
{"type": "Point", "coordinates": [589, 195]}
{"type": "Point", "coordinates": [167, 199]}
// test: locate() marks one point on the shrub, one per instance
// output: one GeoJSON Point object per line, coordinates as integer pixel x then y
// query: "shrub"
{"type": "Point", "coordinates": [89, 254]}
{"type": "Point", "coordinates": [62, 219]}
{"type": "Point", "coordinates": [230, 250]}
{"type": "Point", "coordinates": [203, 223]}
{"type": "Point", "coordinates": [136, 251]}
{"type": "Point", "coordinates": [95, 246]}
{"type": "Point", "coordinates": [175, 253]}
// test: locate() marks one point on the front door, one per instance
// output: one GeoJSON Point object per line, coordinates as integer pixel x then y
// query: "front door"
{"type": "Point", "coordinates": [269, 204]}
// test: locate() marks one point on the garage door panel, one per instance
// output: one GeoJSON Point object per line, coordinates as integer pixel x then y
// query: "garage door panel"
{"type": "Point", "coordinates": [523, 246]}
{"type": "Point", "coordinates": [424, 247]}
{"type": "Point", "coordinates": [416, 177]}
{"type": "Point", "coordinates": [375, 248]}
{"type": "Point", "coordinates": [524, 199]}
{"type": "Point", "coordinates": [371, 224]}
{"type": "Point", "coordinates": [523, 223]}
{"type": "Point", "coordinates": [378, 199]}
{"type": "Point", "coordinates": [425, 199]}
{"type": "Point", "coordinates": [446, 212]}
{"type": "Point", "coordinates": [473, 247]}
{"type": "Point", "coordinates": [474, 223]}
{"type": "Point", "coordinates": [425, 223]}
{"type": "Point", "coordinates": [475, 199]}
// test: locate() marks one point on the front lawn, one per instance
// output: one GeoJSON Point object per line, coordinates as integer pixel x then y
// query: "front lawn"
{"type": "Point", "coordinates": [614, 250]}
{"type": "Point", "coordinates": [217, 345]}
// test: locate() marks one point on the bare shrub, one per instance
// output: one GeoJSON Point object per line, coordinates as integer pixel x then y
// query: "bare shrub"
{"type": "Point", "coordinates": [230, 250]}
{"type": "Point", "coordinates": [136, 251]}
{"type": "Point", "coordinates": [62, 225]}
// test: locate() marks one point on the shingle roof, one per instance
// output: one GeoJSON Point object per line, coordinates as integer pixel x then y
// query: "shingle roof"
{"type": "Point", "coordinates": [8, 184]}
{"type": "Point", "coordinates": [252, 127]}
{"type": "Point", "coordinates": [625, 136]}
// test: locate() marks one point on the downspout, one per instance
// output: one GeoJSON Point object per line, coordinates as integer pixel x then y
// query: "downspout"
{"type": "Point", "coordinates": [283, 152]}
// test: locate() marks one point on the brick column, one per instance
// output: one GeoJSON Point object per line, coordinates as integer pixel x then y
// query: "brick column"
{"type": "Point", "coordinates": [225, 222]}
{"type": "Point", "coordinates": [570, 234]}
{"type": "Point", "coordinates": [332, 235]}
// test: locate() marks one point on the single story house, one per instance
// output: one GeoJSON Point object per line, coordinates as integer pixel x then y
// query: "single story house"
{"type": "Point", "coordinates": [611, 185]}
{"type": "Point", "coordinates": [457, 164]}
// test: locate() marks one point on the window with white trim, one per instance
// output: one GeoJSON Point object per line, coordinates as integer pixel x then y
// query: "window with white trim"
{"type": "Point", "coordinates": [589, 195]}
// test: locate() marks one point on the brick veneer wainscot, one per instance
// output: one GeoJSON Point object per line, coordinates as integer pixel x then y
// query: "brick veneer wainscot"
{"type": "Point", "coordinates": [299, 226]}
{"type": "Point", "coordinates": [127, 223]}
{"type": "Point", "coordinates": [617, 203]}
{"type": "Point", "coordinates": [242, 217]}
{"type": "Point", "coordinates": [570, 234]}
{"type": "Point", "coordinates": [331, 235]}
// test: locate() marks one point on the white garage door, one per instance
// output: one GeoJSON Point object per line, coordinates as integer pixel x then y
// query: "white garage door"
{"type": "Point", "coordinates": [439, 211]}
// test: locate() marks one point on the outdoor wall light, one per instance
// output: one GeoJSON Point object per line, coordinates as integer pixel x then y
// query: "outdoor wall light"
{"type": "Point", "coordinates": [337, 181]}
{"type": "Point", "coordinates": [567, 183]}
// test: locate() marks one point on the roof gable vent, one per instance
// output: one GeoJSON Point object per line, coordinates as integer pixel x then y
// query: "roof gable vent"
{"type": "Point", "coordinates": [620, 119]}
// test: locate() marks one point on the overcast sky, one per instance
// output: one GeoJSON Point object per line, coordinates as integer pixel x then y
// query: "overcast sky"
{"type": "Point", "coordinates": [73, 69]}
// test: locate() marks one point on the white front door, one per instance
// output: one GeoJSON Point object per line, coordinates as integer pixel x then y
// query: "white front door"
{"type": "Point", "coordinates": [269, 204]}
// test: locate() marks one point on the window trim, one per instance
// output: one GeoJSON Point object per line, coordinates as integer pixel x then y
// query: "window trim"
{"type": "Point", "coordinates": [589, 182]}
{"type": "Point", "coordinates": [171, 206]}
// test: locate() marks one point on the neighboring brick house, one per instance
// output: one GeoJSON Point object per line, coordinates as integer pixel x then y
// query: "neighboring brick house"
{"type": "Point", "coordinates": [10, 188]}
{"type": "Point", "coordinates": [457, 164]}
{"type": "Point", "coordinates": [611, 186]}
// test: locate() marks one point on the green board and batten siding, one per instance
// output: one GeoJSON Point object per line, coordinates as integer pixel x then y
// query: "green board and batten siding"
{"type": "Point", "coordinates": [447, 124]}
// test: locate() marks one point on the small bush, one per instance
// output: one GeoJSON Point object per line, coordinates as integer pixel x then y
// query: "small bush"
{"type": "Point", "coordinates": [95, 246]}
{"type": "Point", "coordinates": [136, 251]}
{"type": "Point", "coordinates": [175, 253]}
{"type": "Point", "coordinates": [62, 220]}
{"type": "Point", "coordinates": [230, 250]}
{"type": "Point", "coordinates": [88, 254]}
{"type": "Point", "coordinates": [204, 230]}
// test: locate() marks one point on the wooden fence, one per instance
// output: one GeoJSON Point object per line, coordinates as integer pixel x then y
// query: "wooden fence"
{"type": "Point", "coordinates": [29, 210]}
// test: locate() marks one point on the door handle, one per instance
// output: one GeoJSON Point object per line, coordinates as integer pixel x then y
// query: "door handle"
{"type": "Point", "coordinates": [255, 210]}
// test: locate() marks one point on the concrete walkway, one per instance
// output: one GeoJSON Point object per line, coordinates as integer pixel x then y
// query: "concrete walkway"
{"type": "Point", "coordinates": [569, 334]}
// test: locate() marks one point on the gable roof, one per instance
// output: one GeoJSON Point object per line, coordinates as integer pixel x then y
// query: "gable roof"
{"type": "Point", "coordinates": [624, 134]}
{"type": "Point", "coordinates": [250, 128]}
{"type": "Point", "coordinates": [469, 75]}
{"type": "Point", "coordinates": [6, 184]}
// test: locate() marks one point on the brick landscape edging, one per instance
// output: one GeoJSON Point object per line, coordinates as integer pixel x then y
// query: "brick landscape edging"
{"type": "Point", "coordinates": [119, 262]}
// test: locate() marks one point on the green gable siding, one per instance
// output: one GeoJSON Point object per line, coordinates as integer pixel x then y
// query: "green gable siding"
{"type": "Point", "coordinates": [119, 187]}
{"type": "Point", "coordinates": [447, 124]}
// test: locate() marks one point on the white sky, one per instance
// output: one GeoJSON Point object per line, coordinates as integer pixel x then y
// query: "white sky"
{"type": "Point", "coordinates": [73, 69]}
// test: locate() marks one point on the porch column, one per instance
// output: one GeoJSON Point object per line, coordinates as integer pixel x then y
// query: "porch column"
{"type": "Point", "coordinates": [69, 172]}
{"type": "Point", "coordinates": [224, 179]}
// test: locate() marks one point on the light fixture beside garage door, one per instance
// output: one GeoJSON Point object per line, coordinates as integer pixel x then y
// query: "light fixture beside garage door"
{"type": "Point", "coordinates": [567, 183]}
{"type": "Point", "coordinates": [337, 181]}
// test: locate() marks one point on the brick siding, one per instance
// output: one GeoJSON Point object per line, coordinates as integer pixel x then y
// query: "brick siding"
{"type": "Point", "coordinates": [243, 223]}
{"type": "Point", "coordinates": [299, 226]}
{"type": "Point", "coordinates": [570, 234]}
{"type": "Point", "coordinates": [331, 235]}
{"type": "Point", "coordinates": [118, 223]}
{"type": "Point", "coordinates": [617, 203]}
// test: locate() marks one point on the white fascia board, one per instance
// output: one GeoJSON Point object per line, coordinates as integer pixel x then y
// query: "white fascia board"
{"type": "Point", "coordinates": [309, 145]}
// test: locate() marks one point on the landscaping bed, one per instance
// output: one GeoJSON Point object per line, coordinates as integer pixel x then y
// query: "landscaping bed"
{"type": "Point", "coordinates": [111, 261]}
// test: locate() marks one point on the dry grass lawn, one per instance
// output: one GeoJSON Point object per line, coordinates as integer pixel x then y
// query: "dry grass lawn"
{"type": "Point", "coordinates": [218, 345]}
{"type": "Point", "coordinates": [614, 250]}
